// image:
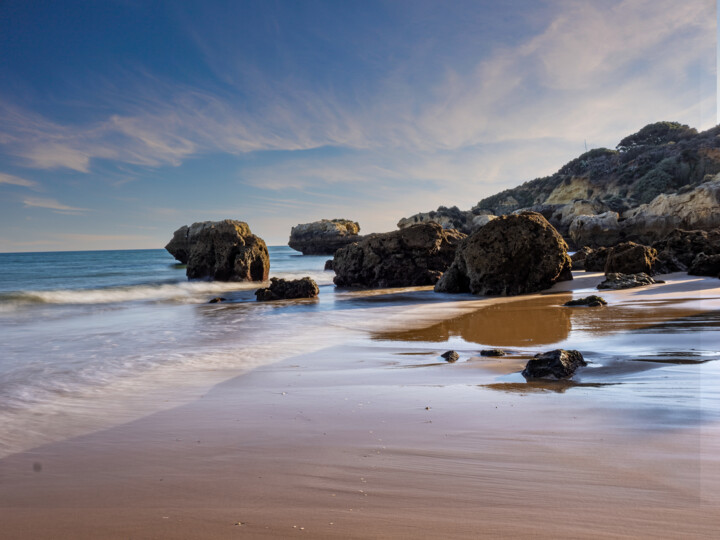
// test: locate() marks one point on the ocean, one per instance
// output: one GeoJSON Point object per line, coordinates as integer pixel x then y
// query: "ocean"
{"type": "Point", "coordinates": [98, 337]}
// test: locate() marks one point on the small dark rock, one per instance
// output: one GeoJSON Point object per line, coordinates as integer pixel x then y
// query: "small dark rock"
{"type": "Point", "coordinates": [217, 300]}
{"type": "Point", "coordinates": [589, 301]}
{"type": "Point", "coordinates": [281, 289]}
{"type": "Point", "coordinates": [627, 281]}
{"type": "Point", "coordinates": [329, 265]}
{"type": "Point", "coordinates": [450, 356]}
{"type": "Point", "coordinates": [492, 352]}
{"type": "Point", "coordinates": [554, 365]}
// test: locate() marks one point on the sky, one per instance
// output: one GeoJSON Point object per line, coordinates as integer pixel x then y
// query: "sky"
{"type": "Point", "coordinates": [122, 120]}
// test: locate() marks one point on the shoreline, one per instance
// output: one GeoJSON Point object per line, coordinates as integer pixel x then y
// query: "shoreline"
{"type": "Point", "coordinates": [375, 438]}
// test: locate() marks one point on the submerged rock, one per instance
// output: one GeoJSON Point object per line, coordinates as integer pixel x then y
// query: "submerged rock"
{"type": "Point", "coordinates": [554, 365]}
{"type": "Point", "coordinates": [217, 300]}
{"type": "Point", "coordinates": [630, 258]}
{"type": "Point", "coordinates": [323, 237]}
{"type": "Point", "coordinates": [513, 254]}
{"type": "Point", "coordinates": [627, 281]}
{"type": "Point", "coordinates": [281, 289]}
{"type": "Point", "coordinates": [416, 255]}
{"type": "Point", "coordinates": [450, 356]}
{"type": "Point", "coordinates": [589, 301]}
{"type": "Point", "coordinates": [221, 250]}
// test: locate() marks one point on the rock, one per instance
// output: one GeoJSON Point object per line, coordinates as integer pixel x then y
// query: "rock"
{"type": "Point", "coordinates": [554, 365]}
{"type": "Point", "coordinates": [480, 221]}
{"type": "Point", "coordinates": [323, 237]}
{"type": "Point", "coordinates": [414, 256]}
{"type": "Point", "coordinates": [705, 265]}
{"type": "Point", "coordinates": [678, 250]}
{"type": "Point", "coordinates": [594, 231]}
{"type": "Point", "coordinates": [595, 260]}
{"type": "Point", "coordinates": [578, 258]}
{"type": "Point", "coordinates": [450, 356]}
{"type": "Point", "coordinates": [589, 301]}
{"type": "Point", "coordinates": [217, 300]}
{"type": "Point", "coordinates": [329, 264]}
{"type": "Point", "coordinates": [514, 254]}
{"type": "Point", "coordinates": [626, 281]}
{"type": "Point", "coordinates": [281, 289]}
{"type": "Point", "coordinates": [221, 250]}
{"type": "Point", "coordinates": [492, 352]}
{"type": "Point", "coordinates": [630, 258]}
{"type": "Point", "coordinates": [698, 208]}
{"type": "Point", "coordinates": [449, 218]}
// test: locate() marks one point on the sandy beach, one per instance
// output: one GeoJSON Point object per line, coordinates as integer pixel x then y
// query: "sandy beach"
{"type": "Point", "coordinates": [377, 437]}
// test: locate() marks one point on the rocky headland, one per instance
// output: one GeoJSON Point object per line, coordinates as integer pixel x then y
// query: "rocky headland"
{"type": "Point", "coordinates": [323, 237]}
{"type": "Point", "coordinates": [221, 250]}
{"type": "Point", "coordinates": [659, 179]}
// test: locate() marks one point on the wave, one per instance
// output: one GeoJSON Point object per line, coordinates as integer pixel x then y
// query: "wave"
{"type": "Point", "coordinates": [184, 292]}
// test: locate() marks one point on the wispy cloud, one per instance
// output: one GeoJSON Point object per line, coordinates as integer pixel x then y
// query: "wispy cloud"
{"type": "Point", "coordinates": [52, 204]}
{"type": "Point", "coordinates": [17, 181]}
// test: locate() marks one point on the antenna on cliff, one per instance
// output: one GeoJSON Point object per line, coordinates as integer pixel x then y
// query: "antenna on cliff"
{"type": "Point", "coordinates": [585, 145]}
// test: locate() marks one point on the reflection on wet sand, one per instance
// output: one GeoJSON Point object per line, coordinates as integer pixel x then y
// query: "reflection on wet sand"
{"type": "Point", "coordinates": [534, 387]}
{"type": "Point", "coordinates": [544, 321]}
{"type": "Point", "coordinates": [536, 321]}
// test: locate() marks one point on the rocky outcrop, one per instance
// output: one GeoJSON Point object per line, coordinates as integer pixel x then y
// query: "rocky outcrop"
{"type": "Point", "coordinates": [705, 265]}
{"type": "Point", "coordinates": [554, 365]}
{"type": "Point", "coordinates": [595, 259]}
{"type": "Point", "coordinates": [660, 178]}
{"type": "Point", "coordinates": [683, 247]}
{"type": "Point", "coordinates": [595, 230]}
{"type": "Point", "coordinates": [589, 301]}
{"type": "Point", "coordinates": [323, 237]}
{"type": "Point", "coordinates": [449, 218]}
{"type": "Point", "coordinates": [698, 208]}
{"type": "Point", "coordinates": [626, 281]}
{"type": "Point", "coordinates": [281, 289]}
{"type": "Point", "coordinates": [414, 256]}
{"type": "Point", "coordinates": [514, 254]}
{"type": "Point", "coordinates": [630, 258]}
{"type": "Point", "coordinates": [221, 250]}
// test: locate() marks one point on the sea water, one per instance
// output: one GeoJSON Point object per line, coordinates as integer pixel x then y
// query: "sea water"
{"type": "Point", "coordinates": [86, 336]}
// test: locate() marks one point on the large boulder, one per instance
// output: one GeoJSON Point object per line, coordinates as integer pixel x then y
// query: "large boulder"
{"type": "Point", "coordinates": [281, 289]}
{"type": "Point", "coordinates": [595, 230]}
{"type": "Point", "coordinates": [554, 365]}
{"type": "Point", "coordinates": [323, 237]}
{"type": "Point", "coordinates": [630, 258]}
{"type": "Point", "coordinates": [513, 254]}
{"type": "Point", "coordinates": [414, 256]}
{"type": "Point", "coordinates": [221, 250]}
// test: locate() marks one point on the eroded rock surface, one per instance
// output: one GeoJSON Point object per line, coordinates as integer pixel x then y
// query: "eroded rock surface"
{"type": "Point", "coordinates": [414, 256]}
{"type": "Point", "coordinates": [323, 237]}
{"type": "Point", "coordinates": [630, 258]}
{"type": "Point", "coordinates": [221, 250]}
{"type": "Point", "coordinates": [514, 254]}
{"type": "Point", "coordinates": [554, 365]}
{"type": "Point", "coordinates": [281, 289]}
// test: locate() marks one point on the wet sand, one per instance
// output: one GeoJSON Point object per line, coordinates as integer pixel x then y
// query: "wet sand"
{"type": "Point", "coordinates": [378, 438]}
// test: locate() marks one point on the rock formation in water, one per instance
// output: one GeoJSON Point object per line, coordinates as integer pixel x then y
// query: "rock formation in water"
{"type": "Point", "coordinates": [554, 365]}
{"type": "Point", "coordinates": [663, 177]}
{"type": "Point", "coordinates": [417, 255]}
{"type": "Point", "coordinates": [514, 254]}
{"type": "Point", "coordinates": [281, 289]}
{"type": "Point", "coordinates": [323, 237]}
{"type": "Point", "coordinates": [221, 250]}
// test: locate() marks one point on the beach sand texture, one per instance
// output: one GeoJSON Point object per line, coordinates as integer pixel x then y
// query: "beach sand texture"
{"type": "Point", "coordinates": [379, 438]}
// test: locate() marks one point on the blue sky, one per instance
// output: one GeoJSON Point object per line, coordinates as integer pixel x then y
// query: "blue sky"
{"type": "Point", "coordinates": [122, 120]}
